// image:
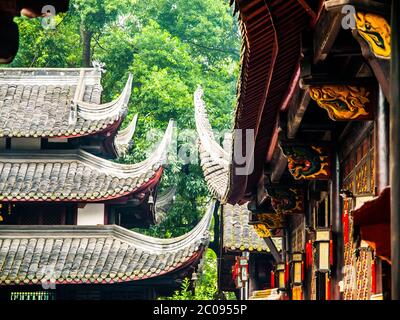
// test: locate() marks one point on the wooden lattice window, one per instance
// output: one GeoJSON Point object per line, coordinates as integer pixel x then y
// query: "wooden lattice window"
{"type": "Point", "coordinates": [34, 214]}
{"type": "Point", "coordinates": [358, 170]}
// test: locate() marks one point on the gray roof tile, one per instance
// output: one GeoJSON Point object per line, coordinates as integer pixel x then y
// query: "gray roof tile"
{"type": "Point", "coordinates": [238, 234]}
{"type": "Point", "coordinates": [72, 175]}
{"type": "Point", "coordinates": [42, 102]}
{"type": "Point", "coordinates": [93, 254]}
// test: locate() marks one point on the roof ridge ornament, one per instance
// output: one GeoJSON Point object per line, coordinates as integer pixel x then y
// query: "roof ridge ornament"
{"type": "Point", "coordinates": [79, 92]}
{"type": "Point", "coordinates": [99, 66]}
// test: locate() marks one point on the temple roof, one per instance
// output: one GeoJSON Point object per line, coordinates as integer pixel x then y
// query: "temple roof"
{"type": "Point", "coordinates": [76, 175]}
{"type": "Point", "coordinates": [123, 139]}
{"type": "Point", "coordinates": [271, 52]}
{"type": "Point", "coordinates": [164, 203]}
{"type": "Point", "coordinates": [57, 103]}
{"type": "Point", "coordinates": [239, 235]}
{"type": "Point", "coordinates": [94, 254]}
{"type": "Point", "coordinates": [214, 159]}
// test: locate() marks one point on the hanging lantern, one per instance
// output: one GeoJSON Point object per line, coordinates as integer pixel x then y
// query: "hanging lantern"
{"type": "Point", "coordinates": [309, 254]}
{"type": "Point", "coordinates": [281, 272]}
{"type": "Point", "coordinates": [287, 271]}
{"type": "Point", "coordinates": [240, 271]}
{"type": "Point", "coordinates": [345, 221]}
{"type": "Point", "coordinates": [322, 241]}
{"type": "Point", "coordinates": [327, 287]}
{"type": "Point", "coordinates": [151, 199]}
{"type": "Point", "coordinates": [373, 277]}
{"type": "Point", "coordinates": [272, 279]}
{"type": "Point", "coordinates": [297, 267]}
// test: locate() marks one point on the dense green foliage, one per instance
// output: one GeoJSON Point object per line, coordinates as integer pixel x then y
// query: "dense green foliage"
{"type": "Point", "coordinates": [171, 47]}
{"type": "Point", "coordinates": [205, 287]}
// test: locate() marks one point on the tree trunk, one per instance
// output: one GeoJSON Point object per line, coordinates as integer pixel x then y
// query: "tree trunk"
{"type": "Point", "coordinates": [86, 38]}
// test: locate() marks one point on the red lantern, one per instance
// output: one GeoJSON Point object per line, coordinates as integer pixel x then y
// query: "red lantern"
{"type": "Point", "coordinates": [287, 273]}
{"type": "Point", "coordinates": [309, 254]}
{"type": "Point", "coordinates": [373, 277]}
{"type": "Point", "coordinates": [235, 270]}
{"type": "Point", "coordinates": [328, 287]}
{"type": "Point", "coordinates": [272, 279]}
{"type": "Point", "coordinates": [345, 221]}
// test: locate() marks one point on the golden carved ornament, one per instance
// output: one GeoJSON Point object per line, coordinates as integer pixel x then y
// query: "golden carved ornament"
{"type": "Point", "coordinates": [376, 31]}
{"type": "Point", "coordinates": [271, 220]}
{"type": "Point", "coordinates": [342, 102]}
{"type": "Point", "coordinates": [308, 162]}
{"type": "Point", "coordinates": [262, 230]}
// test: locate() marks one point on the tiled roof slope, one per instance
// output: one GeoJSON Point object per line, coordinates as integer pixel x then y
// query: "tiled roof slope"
{"type": "Point", "coordinates": [238, 234]}
{"type": "Point", "coordinates": [75, 175]}
{"type": "Point", "coordinates": [95, 254]}
{"type": "Point", "coordinates": [57, 103]}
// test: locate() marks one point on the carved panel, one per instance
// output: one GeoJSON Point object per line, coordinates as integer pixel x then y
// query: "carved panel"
{"type": "Point", "coordinates": [343, 102]}
{"type": "Point", "coordinates": [376, 32]}
{"type": "Point", "coordinates": [362, 178]}
{"type": "Point", "coordinates": [286, 200]}
{"type": "Point", "coordinates": [297, 234]}
{"type": "Point", "coordinates": [262, 230]}
{"type": "Point", "coordinates": [270, 220]}
{"type": "Point", "coordinates": [358, 170]}
{"type": "Point", "coordinates": [308, 162]}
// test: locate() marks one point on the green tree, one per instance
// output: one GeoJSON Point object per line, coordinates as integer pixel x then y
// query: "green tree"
{"type": "Point", "coordinates": [206, 285]}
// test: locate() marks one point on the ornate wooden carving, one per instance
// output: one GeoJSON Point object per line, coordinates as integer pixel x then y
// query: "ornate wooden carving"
{"type": "Point", "coordinates": [358, 169]}
{"type": "Point", "coordinates": [286, 199]}
{"type": "Point", "coordinates": [375, 30]}
{"type": "Point", "coordinates": [375, 49]}
{"type": "Point", "coordinates": [262, 230]}
{"type": "Point", "coordinates": [265, 223]}
{"type": "Point", "coordinates": [344, 102]}
{"type": "Point", "coordinates": [308, 162]}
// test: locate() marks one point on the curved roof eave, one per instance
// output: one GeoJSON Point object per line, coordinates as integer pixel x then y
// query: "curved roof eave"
{"type": "Point", "coordinates": [127, 255]}
{"type": "Point", "coordinates": [77, 175]}
{"type": "Point", "coordinates": [214, 159]}
{"type": "Point", "coordinates": [123, 139]}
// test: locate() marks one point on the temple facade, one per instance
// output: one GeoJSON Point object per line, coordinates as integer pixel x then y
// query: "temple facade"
{"type": "Point", "coordinates": [315, 93]}
{"type": "Point", "coordinates": [66, 205]}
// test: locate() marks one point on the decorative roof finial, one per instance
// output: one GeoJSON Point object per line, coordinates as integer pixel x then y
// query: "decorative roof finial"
{"type": "Point", "coordinates": [100, 66]}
